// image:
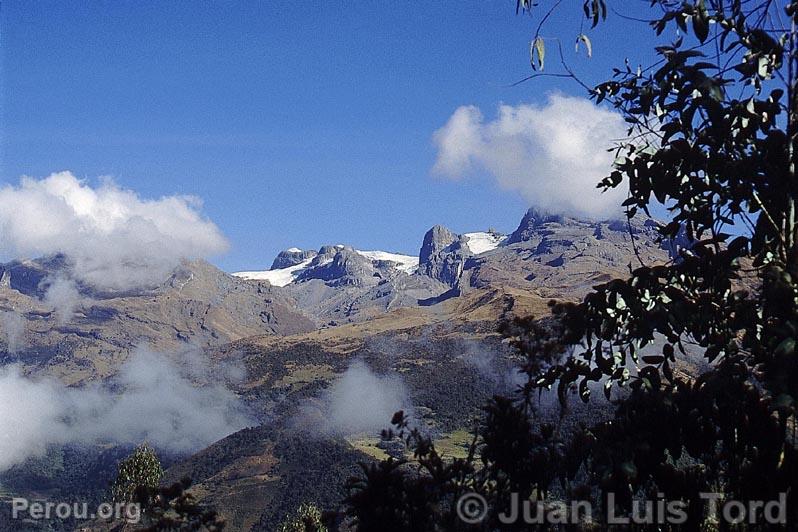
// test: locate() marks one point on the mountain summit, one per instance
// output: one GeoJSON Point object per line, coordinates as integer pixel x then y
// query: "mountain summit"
{"type": "Point", "coordinates": [291, 332]}
{"type": "Point", "coordinates": [551, 256]}
{"type": "Point", "coordinates": [339, 283]}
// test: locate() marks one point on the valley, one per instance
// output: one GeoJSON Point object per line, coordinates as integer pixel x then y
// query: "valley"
{"type": "Point", "coordinates": [317, 364]}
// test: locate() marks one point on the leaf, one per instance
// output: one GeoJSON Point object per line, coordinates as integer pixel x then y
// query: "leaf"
{"type": "Point", "coordinates": [763, 67]}
{"type": "Point", "coordinates": [607, 388]}
{"type": "Point", "coordinates": [667, 371]}
{"type": "Point", "coordinates": [584, 391]}
{"type": "Point", "coordinates": [701, 21]}
{"type": "Point", "coordinates": [786, 348]}
{"type": "Point", "coordinates": [537, 48]}
{"type": "Point", "coordinates": [596, 10]}
{"type": "Point", "coordinates": [629, 469]}
{"type": "Point", "coordinates": [585, 39]}
{"type": "Point", "coordinates": [667, 351]}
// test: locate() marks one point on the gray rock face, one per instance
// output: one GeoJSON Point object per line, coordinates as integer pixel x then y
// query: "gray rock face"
{"type": "Point", "coordinates": [28, 276]}
{"type": "Point", "coordinates": [347, 268]}
{"type": "Point", "coordinates": [436, 240]}
{"type": "Point", "coordinates": [341, 284]}
{"type": "Point", "coordinates": [198, 304]}
{"type": "Point", "coordinates": [530, 223]}
{"type": "Point", "coordinates": [443, 255]}
{"type": "Point", "coordinates": [335, 301]}
{"type": "Point", "coordinates": [448, 266]}
{"type": "Point", "coordinates": [564, 257]}
{"type": "Point", "coordinates": [288, 258]}
{"type": "Point", "coordinates": [328, 251]}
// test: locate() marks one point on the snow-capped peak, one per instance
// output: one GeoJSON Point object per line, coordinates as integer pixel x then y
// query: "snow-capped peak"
{"type": "Point", "coordinates": [279, 277]}
{"type": "Point", "coordinates": [480, 242]}
{"type": "Point", "coordinates": [285, 276]}
{"type": "Point", "coordinates": [407, 263]}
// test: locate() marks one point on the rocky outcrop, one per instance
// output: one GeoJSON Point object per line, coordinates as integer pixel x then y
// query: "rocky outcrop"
{"type": "Point", "coordinates": [530, 223]}
{"type": "Point", "coordinates": [436, 240]}
{"type": "Point", "coordinates": [198, 305]}
{"type": "Point", "coordinates": [345, 268]}
{"type": "Point", "coordinates": [443, 255]}
{"type": "Point", "coordinates": [564, 257]}
{"type": "Point", "coordinates": [292, 257]}
{"type": "Point", "coordinates": [28, 276]}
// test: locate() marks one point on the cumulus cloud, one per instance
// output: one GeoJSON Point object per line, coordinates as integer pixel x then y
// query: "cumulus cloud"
{"type": "Point", "coordinates": [552, 154]}
{"type": "Point", "coordinates": [114, 238]}
{"type": "Point", "coordinates": [360, 401]}
{"type": "Point", "coordinates": [151, 399]}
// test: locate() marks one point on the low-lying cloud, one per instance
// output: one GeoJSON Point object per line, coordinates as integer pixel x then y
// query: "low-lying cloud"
{"type": "Point", "coordinates": [114, 238]}
{"type": "Point", "coordinates": [63, 296]}
{"type": "Point", "coordinates": [554, 155]}
{"type": "Point", "coordinates": [152, 399]}
{"type": "Point", "coordinates": [502, 372]}
{"type": "Point", "coordinates": [12, 326]}
{"type": "Point", "coordinates": [360, 401]}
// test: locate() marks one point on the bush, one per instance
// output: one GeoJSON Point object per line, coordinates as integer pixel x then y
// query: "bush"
{"type": "Point", "coordinates": [141, 468]}
{"type": "Point", "coordinates": [307, 518]}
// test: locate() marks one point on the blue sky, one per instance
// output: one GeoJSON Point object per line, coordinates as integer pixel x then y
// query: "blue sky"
{"type": "Point", "coordinates": [298, 123]}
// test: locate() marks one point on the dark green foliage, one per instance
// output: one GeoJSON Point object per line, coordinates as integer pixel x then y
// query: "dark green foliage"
{"type": "Point", "coordinates": [312, 468]}
{"type": "Point", "coordinates": [508, 454]}
{"type": "Point", "coordinates": [141, 468]}
{"type": "Point", "coordinates": [394, 495]}
{"type": "Point", "coordinates": [713, 136]}
{"type": "Point", "coordinates": [307, 518]}
{"type": "Point", "coordinates": [713, 143]}
{"type": "Point", "coordinates": [173, 509]}
{"type": "Point", "coordinates": [82, 474]}
{"type": "Point", "coordinates": [68, 473]}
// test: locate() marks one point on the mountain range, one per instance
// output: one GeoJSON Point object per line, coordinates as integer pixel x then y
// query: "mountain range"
{"type": "Point", "coordinates": [326, 343]}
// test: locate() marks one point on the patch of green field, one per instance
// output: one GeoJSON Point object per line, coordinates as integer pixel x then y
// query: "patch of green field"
{"type": "Point", "coordinates": [367, 445]}
{"type": "Point", "coordinates": [454, 444]}
{"type": "Point", "coordinates": [300, 375]}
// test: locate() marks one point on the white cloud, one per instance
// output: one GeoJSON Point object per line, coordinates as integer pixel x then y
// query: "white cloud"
{"type": "Point", "coordinates": [12, 325]}
{"type": "Point", "coordinates": [27, 413]}
{"type": "Point", "coordinates": [63, 296]}
{"type": "Point", "coordinates": [554, 155]}
{"type": "Point", "coordinates": [358, 402]}
{"type": "Point", "coordinates": [151, 399]}
{"type": "Point", "coordinates": [116, 239]}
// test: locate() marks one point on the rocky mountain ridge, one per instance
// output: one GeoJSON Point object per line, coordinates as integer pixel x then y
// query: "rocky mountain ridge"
{"type": "Point", "coordinates": [545, 251]}
{"type": "Point", "coordinates": [553, 256]}
{"type": "Point", "coordinates": [427, 322]}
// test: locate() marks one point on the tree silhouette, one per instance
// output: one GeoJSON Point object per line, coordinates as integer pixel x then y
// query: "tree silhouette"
{"type": "Point", "coordinates": [713, 133]}
{"type": "Point", "coordinates": [141, 468]}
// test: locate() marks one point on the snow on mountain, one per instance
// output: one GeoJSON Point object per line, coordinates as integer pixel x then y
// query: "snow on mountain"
{"type": "Point", "coordinates": [285, 276]}
{"type": "Point", "coordinates": [407, 263]}
{"type": "Point", "coordinates": [279, 277]}
{"type": "Point", "coordinates": [477, 243]}
{"type": "Point", "coordinates": [481, 242]}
